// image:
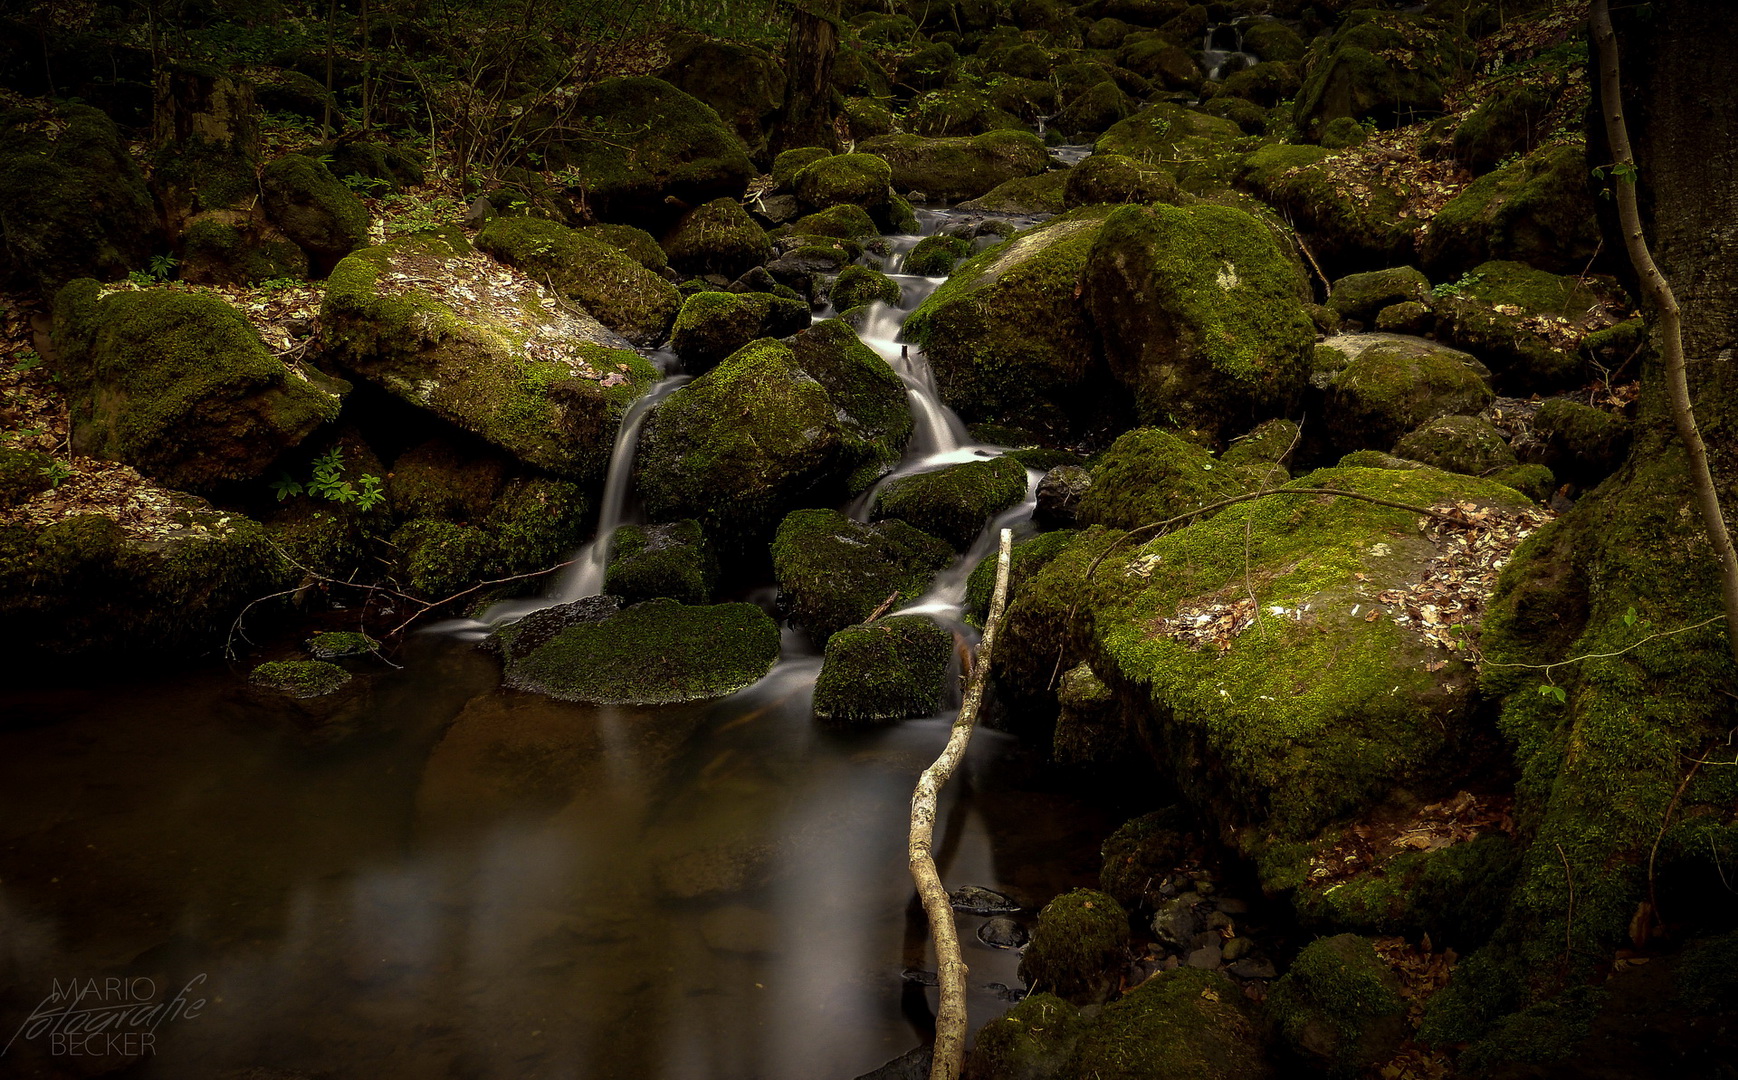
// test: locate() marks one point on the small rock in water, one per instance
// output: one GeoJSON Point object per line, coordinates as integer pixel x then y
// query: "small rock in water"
{"type": "Point", "coordinates": [914, 1064]}
{"type": "Point", "coordinates": [1006, 992]}
{"type": "Point", "coordinates": [921, 978]}
{"type": "Point", "coordinates": [977, 900]}
{"type": "Point", "coordinates": [1002, 932]}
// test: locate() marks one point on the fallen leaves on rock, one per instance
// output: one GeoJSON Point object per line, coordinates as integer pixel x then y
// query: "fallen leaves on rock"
{"type": "Point", "coordinates": [1421, 971]}
{"type": "Point", "coordinates": [1368, 846]}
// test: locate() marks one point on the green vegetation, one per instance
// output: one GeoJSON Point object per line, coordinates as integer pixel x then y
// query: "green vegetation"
{"type": "Point", "coordinates": [1077, 947]}
{"type": "Point", "coordinates": [954, 503]}
{"type": "Point", "coordinates": [887, 670]}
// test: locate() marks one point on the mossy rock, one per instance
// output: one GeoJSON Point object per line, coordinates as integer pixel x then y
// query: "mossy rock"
{"type": "Point", "coordinates": [1112, 178]}
{"type": "Point", "coordinates": [1265, 84]}
{"type": "Point", "coordinates": [959, 168]}
{"type": "Point", "coordinates": [712, 325]}
{"type": "Point", "coordinates": [1361, 296]}
{"type": "Point", "coordinates": [533, 524]}
{"type": "Point", "coordinates": [232, 249]}
{"type": "Point", "coordinates": [680, 151]}
{"type": "Point", "coordinates": [23, 473]}
{"type": "Point", "coordinates": [874, 410]}
{"type": "Point", "coordinates": [1342, 133]}
{"type": "Point", "coordinates": [637, 244]}
{"type": "Point", "coordinates": [1392, 384]}
{"type": "Point", "coordinates": [439, 558]}
{"type": "Point", "coordinates": [1041, 194]}
{"type": "Point", "coordinates": [861, 285]}
{"type": "Point", "coordinates": [1096, 109]}
{"type": "Point", "coordinates": [1581, 443]}
{"type": "Point", "coordinates": [867, 117]}
{"type": "Point", "coordinates": [1078, 948]}
{"type": "Point", "coordinates": [1496, 310]}
{"type": "Point", "coordinates": [1350, 225]}
{"type": "Point", "coordinates": [717, 238]}
{"type": "Point", "coordinates": [76, 204]}
{"type": "Point", "coordinates": [1183, 1023]}
{"type": "Point", "coordinates": [1031, 1041]}
{"type": "Point", "coordinates": [652, 561]}
{"type": "Point", "coordinates": [893, 669]}
{"type": "Point", "coordinates": [846, 221]}
{"type": "Point", "coordinates": [1462, 444]}
{"type": "Point", "coordinates": [1317, 716]}
{"type": "Point", "coordinates": [1249, 117]}
{"type": "Point", "coordinates": [1271, 39]}
{"type": "Point", "coordinates": [856, 179]}
{"type": "Point", "coordinates": [931, 66]}
{"type": "Point", "coordinates": [1201, 314]}
{"type": "Point", "coordinates": [1504, 125]}
{"type": "Point", "coordinates": [622, 294]}
{"type": "Point", "coordinates": [1164, 63]}
{"type": "Point", "coordinates": [179, 385]}
{"type": "Point", "coordinates": [786, 166]}
{"type": "Point", "coordinates": [299, 678]}
{"type": "Point", "coordinates": [1534, 481]}
{"type": "Point", "coordinates": [313, 208]}
{"type": "Point", "coordinates": [341, 644]}
{"type": "Point", "coordinates": [292, 92]}
{"type": "Point", "coordinates": [393, 168]}
{"type": "Point", "coordinates": [655, 653]}
{"type": "Point", "coordinates": [1027, 558]}
{"type": "Point", "coordinates": [743, 84]}
{"type": "Point", "coordinates": [445, 480]}
{"type": "Point", "coordinates": [1339, 1007]}
{"type": "Point", "coordinates": [833, 572]}
{"type": "Point", "coordinates": [935, 256]}
{"type": "Point", "coordinates": [742, 445]}
{"type": "Point", "coordinates": [1027, 99]}
{"type": "Point", "coordinates": [540, 381]}
{"type": "Point", "coordinates": [1538, 210]}
{"type": "Point", "coordinates": [1268, 443]}
{"type": "Point", "coordinates": [956, 502]}
{"type": "Point", "coordinates": [1006, 338]}
{"type": "Point", "coordinates": [1199, 149]}
{"type": "Point", "coordinates": [1090, 729]}
{"type": "Point", "coordinates": [1387, 67]}
{"type": "Point", "coordinates": [1150, 475]}
{"type": "Point", "coordinates": [1142, 854]}
{"type": "Point", "coordinates": [1454, 894]}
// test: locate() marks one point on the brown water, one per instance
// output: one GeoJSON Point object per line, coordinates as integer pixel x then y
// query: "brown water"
{"type": "Point", "coordinates": [463, 882]}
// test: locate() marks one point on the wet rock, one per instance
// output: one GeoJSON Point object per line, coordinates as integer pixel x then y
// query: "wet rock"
{"type": "Point", "coordinates": [300, 678]}
{"type": "Point", "coordinates": [1090, 729]}
{"type": "Point", "coordinates": [861, 285]}
{"type": "Point", "coordinates": [1139, 857]}
{"type": "Point", "coordinates": [892, 669]}
{"type": "Point", "coordinates": [1381, 386]}
{"type": "Point", "coordinates": [1176, 922]}
{"type": "Point", "coordinates": [1236, 949]}
{"type": "Point", "coordinates": [1002, 932]}
{"type": "Point", "coordinates": [1253, 968]}
{"type": "Point", "coordinates": [671, 560]}
{"type": "Point", "coordinates": [713, 325]}
{"type": "Point", "coordinates": [1339, 1006]}
{"type": "Point", "coordinates": [338, 644]}
{"type": "Point", "coordinates": [954, 503]}
{"type": "Point", "coordinates": [959, 168]}
{"type": "Point", "coordinates": [935, 256]}
{"type": "Point", "coordinates": [1024, 195]}
{"type": "Point", "coordinates": [833, 572]}
{"type": "Point", "coordinates": [977, 900]}
{"type": "Point", "coordinates": [1059, 495]}
{"type": "Point", "coordinates": [874, 411]}
{"type": "Point", "coordinates": [1078, 946]}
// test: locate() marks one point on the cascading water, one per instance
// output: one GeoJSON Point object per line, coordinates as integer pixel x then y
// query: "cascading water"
{"type": "Point", "coordinates": [1222, 52]}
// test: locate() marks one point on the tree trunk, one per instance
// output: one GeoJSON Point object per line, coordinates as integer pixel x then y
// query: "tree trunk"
{"type": "Point", "coordinates": [807, 116]}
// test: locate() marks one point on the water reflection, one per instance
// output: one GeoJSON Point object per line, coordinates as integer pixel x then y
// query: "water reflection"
{"type": "Point", "coordinates": [479, 884]}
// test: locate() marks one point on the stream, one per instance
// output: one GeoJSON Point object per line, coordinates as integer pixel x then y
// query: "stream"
{"type": "Point", "coordinates": [468, 882]}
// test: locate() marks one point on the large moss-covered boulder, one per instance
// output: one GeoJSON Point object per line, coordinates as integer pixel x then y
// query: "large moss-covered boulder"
{"type": "Point", "coordinates": [1325, 710]}
{"type": "Point", "coordinates": [75, 203]}
{"type": "Point", "coordinates": [90, 585]}
{"type": "Point", "coordinates": [1096, 109]}
{"type": "Point", "coordinates": [232, 248]}
{"type": "Point", "coordinates": [874, 410]}
{"type": "Point", "coordinates": [1182, 1023]}
{"type": "Point", "coordinates": [712, 325]}
{"type": "Point", "coordinates": [956, 502]}
{"type": "Point", "coordinates": [179, 385]}
{"type": "Point", "coordinates": [622, 294]}
{"type": "Point", "coordinates": [859, 179]}
{"type": "Point", "coordinates": [1381, 386]}
{"type": "Point", "coordinates": [741, 83]}
{"type": "Point", "coordinates": [540, 381]}
{"type": "Point", "coordinates": [1462, 444]}
{"type": "Point", "coordinates": [846, 221]}
{"type": "Point", "coordinates": [959, 168]}
{"type": "Point", "coordinates": [1025, 195]}
{"type": "Point", "coordinates": [637, 244]}
{"type": "Point", "coordinates": [1198, 149]}
{"type": "Point", "coordinates": [670, 146]}
{"type": "Point", "coordinates": [1504, 125]}
{"type": "Point", "coordinates": [1006, 338]}
{"type": "Point", "coordinates": [893, 669]}
{"type": "Point", "coordinates": [1201, 315]}
{"type": "Point", "coordinates": [717, 238]}
{"type": "Point", "coordinates": [392, 167]}
{"type": "Point", "coordinates": [655, 653]}
{"type": "Point", "coordinates": [1527, 324]}
{"type": "Point", "coordinates": [1363, 296]}
{"type": "Point", "coordinates": [1579, 442]}
{"type": "Point", "coordinates": [1113, 178]}
{"type": "Point", "coordinates": [1031, 1041]}
{"type": "Point", "coordinates": [1538, 210]}
{"type": "Point", "coordinates": [1165, 64]}
{"type": "Point", "coordinates": [833, 572]}
{"type": "Point", "coordinates": [1339, 1007]}
{"type": "Point", "coordinates": [651, 561]}
{"type": "Point", "coordinates": [1353, 222]}
{"type": "Point", "coordinates": [1078, 947]}
{"type": "Point", "coordinates": [1150, 475]}
{"type": "Point", "coordinates": [313, 208]}
{"type": "Point", "coordinates": [1387, 67]}
{"type": "Point", "coordinates": [742, 445]}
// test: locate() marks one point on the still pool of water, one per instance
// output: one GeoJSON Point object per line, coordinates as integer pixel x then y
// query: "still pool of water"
{"type": "Point", "coordinates": [455, 881]}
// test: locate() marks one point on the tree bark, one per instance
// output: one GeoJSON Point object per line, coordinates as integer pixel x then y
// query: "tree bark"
{"type": "Point", "coordinates": [807, 116]}
{"type": "Point", "coordinates": [950, 1021]}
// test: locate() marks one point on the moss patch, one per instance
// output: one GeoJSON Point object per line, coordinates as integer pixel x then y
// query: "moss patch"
{"type": "Point", "coordinates": [623, 295]}
{"type": "Point", "coordinates": [957, 502]}
{"type": "Point", "coordinates": [1178, 1023]}
{"type": "Point", "coordinates": [651, 561]}
{"type": "Point", "coordinates": [888, 670]}
{"type": "Point", "coordinates": [1078, 947]}
{"type": "Point", "coordinates": [300, 678]}
{"type": "Point", "coordinates": [833, 572]}
{"type": "Point", "coordinates": [959, 168]}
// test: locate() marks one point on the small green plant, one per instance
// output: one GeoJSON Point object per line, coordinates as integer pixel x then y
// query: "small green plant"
{"type": "Point", "coordinates": [327, 482]}
{"type": "Point", "coordinates": [277, 284]}
{"type": "Point", "coordinates": [367, 185]}
{"type": "Point", "coordinates": [27, 360]}
{"type": "Point", "coordinates": [159, 270]}
{"type": "Point", "coordinates": [1555, 693]}
{"type": "Point", "coordinates": [57, 473]}
{"type": "Point", "coordinates": [1456, 288]}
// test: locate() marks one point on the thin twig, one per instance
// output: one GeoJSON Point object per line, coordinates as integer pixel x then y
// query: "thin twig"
{"type": "Point", "coordinates": [1653, 900]}
{"type": "Point", "coordinates": [1249, 528]}
{"type": "Point", "coordinates": [1603, 655]}
{"type": "Point", "coordinates": [885, 605]}
{"type": "Point", "coordinates": [430, 605]}
{"type": "Point", "coordinates": [1569, 919]}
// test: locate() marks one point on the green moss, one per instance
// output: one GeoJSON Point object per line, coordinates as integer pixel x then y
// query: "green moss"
{"type": "Point", "coordinates": [439, 558]}
{"type": "Point", "coordinates": [637, 244]}
{"type": "Point", "coordinates": [1581, 443]}
{"type": "Point", "coordinates": [833, 572]}
{"type": "Point", "coordinates": [1455, 894]}
{"type": "Point", "coordinates": [76, 204]}
{"type": "Point", "coordinates": [1271, 39]}
{"type": "Point", "coordinates": [1150, 475]}
{"type": "Point", "coordinates": [1095, 109]}
{"type": "Point", "coordinates": [1195, 147]}
{"type": "Point", "coordinates": [935, 256]}
{"type": "Point", "coordinates": [1267, 84]}
{"type": "Point", "coordinates": [1537, 210]}
{"type": "Point", "coordinates": [717, 238]}
{"type": "Point", "coordinates": [874, 410]}
{"type": "Point", "coordinates": [712, 325]}
{"type": "Point", "coordinates": [655, 653]}
{"type": "Point", "coordinates": [23, 473]}
{"type": "Point", "coordinates": [1536, 482]}
{"type": "Point", "coordinates": [861, 285]}
{"type": "Point", "coordinates": [957, 502]}
{"type": "Point", "coordinates": [1178, 1023]}
{"type": "Point", "coordinates": [1544, 1032]}
{"type": "Point", "coordinates": [1393, 385]}
{"type": "Point", "coordinates": [533, 524]}
{"type": "Point", "coordinates": [376, 161]}
{"type": "Point", "coordinates": [1142, 853]}
{"type": "Point", "coordinates": [1078, 947]}
{"type": "Point", "coordinates": [198, 175]}
{"type": "Point", "coordinates": [300, 678]}
{"type": "Point", "coordinates": [786, 166]}
{"type": "Point", "coordinates": [1338, 1006]}
{"type": "Point", "coordinates": [1492, 312]}
{"type": "Point", "coordinates": [1112, 178]}
{"type": "Point", "coordinates": [1349, 226]}
{"type": "Point", "coordinates": [651, 561]}
{"type": "Point", "coordinates": [1041, 194]}
{"type": "Point", "coordinates": [959, 168]}
{"type": "Point", "coordinates": [1005, 337]}
{"type": "Point", "coordinates": [1031, 1041]}
{"type": "Point", "coordinates": [1202, 315]}
{"type": "Point", "coordinates": [623, 295]}
{"type": "Point", "coordinates": [1386, 67]}
{"type": "Point", "coordinates": [213, 251]}
{"type": "Point", "coordinates": [178, 385]}
{"type": "Point", "coordinates": [1462, 444]}
{"type": "Point", "coordinates": [858, 179]}
{"type": "Point", "coordinates": [887, 670]}
{"type": "Point", "coordinates": [334, 644]}
{"type": "Point", "coordinates": [1502, 126]}
{"type": "Point", "coordinates": [1361, 296]}
{"type": "Point", "coordinates": [698, 459]}
{"type": "Point", "coordinates": [846, 221]}
{"type": "Point", "coordinates": [1267, 443]}
{"type": "Point", "coordinates": [1027, 558]}
{"type": "Point", "coordinates": [444, 480]}
{"type": "Point", "coordinates": [313, 208]}
{"type": "Point", "coordinates": [868, 117]}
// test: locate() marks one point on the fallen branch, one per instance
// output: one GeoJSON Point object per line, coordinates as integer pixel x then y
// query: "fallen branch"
{"type": "Point", "coordinates": [950, 1022]}
{"type": "Point", "coordinates": [886, 605]}
{"type": "Point", "coordinates": [1546, 668]}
